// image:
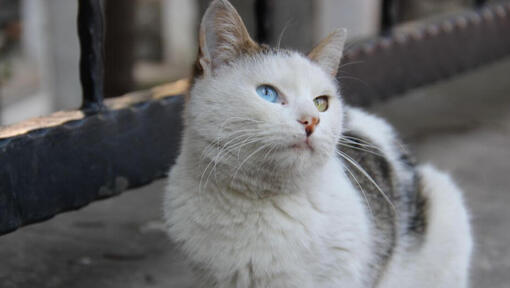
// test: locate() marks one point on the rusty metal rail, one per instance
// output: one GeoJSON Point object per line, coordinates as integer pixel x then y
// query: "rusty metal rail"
{"type": "Point", "coordinates": [387, 66]}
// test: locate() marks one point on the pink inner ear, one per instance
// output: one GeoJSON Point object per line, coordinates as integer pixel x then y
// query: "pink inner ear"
{"type": "Point", "coordinates": [223, 36]}
{"type": "Point", "coordinates": [328, 52]}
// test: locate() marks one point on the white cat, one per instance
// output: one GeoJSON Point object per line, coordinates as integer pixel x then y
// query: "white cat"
{"type": "Point", "coordinates": [279, 184]}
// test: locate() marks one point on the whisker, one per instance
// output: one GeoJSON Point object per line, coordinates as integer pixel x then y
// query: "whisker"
{"type": "Point", "coordinates": [225, 152]}
{"type": "Point", "coordinates": [222, 150]}
{"type": "Point", "coordinates": [217, 141]}
{"type": "Point", "coordinates": [359, 141]}
{"type": "Point", "coordinates": [361, 149]}
{"type": "Point", "coordinates": [353, 78]}
{"type": "Point", "coordinates": [355, 138]}
{"type": "Point", "coordinates": [362, 190]}
{"type": "Point", "coordinates": [363, 146]}
{"type": "Point", "coordinates": [280, 37]}
{"type": "Point", "coordinates": [271, 149]}
{"type": "Point", "coordinates": [239, 119]}
{"type": "Point", "coordinates": [202, 176]}
{"type": "Point", "coordinates": [360, 169]}
{"type": "Point", "coordinates": [246, 159]}
{"type": "Point", "coordinates": [349, 63]}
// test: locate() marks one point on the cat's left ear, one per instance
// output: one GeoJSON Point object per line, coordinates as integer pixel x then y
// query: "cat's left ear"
{"type": "Point", "coordinates": [329, 51]}
{"type": "Point", "coordinates": [223, 36]}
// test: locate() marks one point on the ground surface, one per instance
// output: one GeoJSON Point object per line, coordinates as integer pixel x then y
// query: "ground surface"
{"type": "Point", "coordinates": [462, 126]}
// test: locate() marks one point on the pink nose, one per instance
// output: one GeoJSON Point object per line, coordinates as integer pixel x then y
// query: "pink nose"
{"type": "Point", "coordinates": [310, 123]}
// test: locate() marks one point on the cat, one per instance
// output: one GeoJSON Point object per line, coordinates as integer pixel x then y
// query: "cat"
{"type": "Point", "coordinates": [280, 184]}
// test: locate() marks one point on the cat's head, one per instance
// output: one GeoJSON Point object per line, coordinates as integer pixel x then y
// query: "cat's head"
{"type": "Point", "coordinates": [263, 106]}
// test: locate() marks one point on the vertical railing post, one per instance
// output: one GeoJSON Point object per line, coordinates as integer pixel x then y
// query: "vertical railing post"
{"type": "Point", "coordinates": [388, 15]}
{"type": "Point", "coordinates": [479, 3]}
{"type": "Point", "coordinates": [1, 99]}
{"type": "Point", "coordinates": [263, 20]}
{"type": "Point", "coordinates": [119, 47]}
{"type": "Point", "coordinates": [91, 34]}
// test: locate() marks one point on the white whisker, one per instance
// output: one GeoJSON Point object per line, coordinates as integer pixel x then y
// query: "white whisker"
{"type": "Point", "coordinates": [360, 149]}
{"type": "Point", "coordinates": [362, 190]}
{"type": "Point", "coordinates": [246, 159]}
{"type": "Point", "coordinates": [360, 169]}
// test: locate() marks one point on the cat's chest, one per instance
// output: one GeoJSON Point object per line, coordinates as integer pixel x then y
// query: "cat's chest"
{"type": "Point", "coordinates": [273, 236]}
{"type": "Point", "coordinates": [275, 224]}
{"type": "Point", "coordinates": [308, 233]}
{"type": "Point", "coordinates": [297, 227]}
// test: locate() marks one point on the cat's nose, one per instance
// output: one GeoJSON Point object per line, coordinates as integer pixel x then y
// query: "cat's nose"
{"type": "Point", "coordinates": [310, 123]}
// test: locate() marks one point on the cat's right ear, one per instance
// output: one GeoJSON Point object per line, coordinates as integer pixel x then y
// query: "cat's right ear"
{"type": "Point", "coordinates": [329, 51]}
{"type": "Point", "coordinates": [223, 36]}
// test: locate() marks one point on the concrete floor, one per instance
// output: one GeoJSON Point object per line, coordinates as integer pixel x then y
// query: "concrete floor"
{"type": "Point", "coordinates": [461, 126]}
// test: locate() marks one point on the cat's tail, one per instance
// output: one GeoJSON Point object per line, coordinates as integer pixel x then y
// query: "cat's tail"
{"type": "Point", "coordinates": [446, 249]}
{"type": "Point", "coordinates": [439, 256]}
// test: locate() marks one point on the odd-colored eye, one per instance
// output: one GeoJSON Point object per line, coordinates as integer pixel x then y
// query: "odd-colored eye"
{"type": "Point", "coordinates": [268, 93]}
{"type": "Point", "coordinates": [321, 103]}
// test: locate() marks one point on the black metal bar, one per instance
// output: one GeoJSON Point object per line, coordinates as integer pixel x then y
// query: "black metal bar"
{"type": "Point", "coordinates": [480, 3]}
{"type": "Point", "coordinates": [1, 100]}
{"type": "Point", "coordinates": [263, 21]}
{"type": "Point", "coordinates": [57, 169]}
{"type": "Point", "coordinates": [91, 34]}
{"type": "Point", "coordinates": [289, 28]}
{"type": "Point", "coordinates": [119, 47]}
{"type": "Point", "coordinates": [388, 15]}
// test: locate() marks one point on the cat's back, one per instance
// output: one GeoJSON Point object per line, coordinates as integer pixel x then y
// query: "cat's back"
{"type": "Point", "coordinates": [412, 208]}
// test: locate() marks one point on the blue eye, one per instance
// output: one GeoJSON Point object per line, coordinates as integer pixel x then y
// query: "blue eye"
{"type": "Point", "coordinates": [268, 93]}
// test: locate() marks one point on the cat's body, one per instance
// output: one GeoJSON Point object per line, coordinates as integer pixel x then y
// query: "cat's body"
{"type": "Point", "coordinates": [254, 201]}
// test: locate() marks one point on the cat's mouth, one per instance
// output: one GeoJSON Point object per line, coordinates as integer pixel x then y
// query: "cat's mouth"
{"type": "Point", "coordinates": [303, 145]}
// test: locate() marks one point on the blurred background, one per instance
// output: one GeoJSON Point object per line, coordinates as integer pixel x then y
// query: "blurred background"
{"type": "Point", "coordinates": [461, 125]}
{"type": "Point", "coordinates": [150, 42]}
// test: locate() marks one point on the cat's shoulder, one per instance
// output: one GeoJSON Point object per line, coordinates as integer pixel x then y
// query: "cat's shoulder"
{"type": "Point", "coordinates": [370, 127]}
{"type": "Point", "coordinates": [372, 137]}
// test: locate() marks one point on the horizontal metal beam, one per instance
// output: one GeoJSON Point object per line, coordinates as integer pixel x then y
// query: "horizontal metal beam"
{"type": "Point", "coordinates": [59, 168]}
{"type": "Point", "coordinates": [424, 53]}
{"type": "Point", "coordinates": [69, 159]}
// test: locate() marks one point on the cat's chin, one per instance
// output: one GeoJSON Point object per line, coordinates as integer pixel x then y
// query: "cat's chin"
{"type": "Point", "coordinates": [300, 156]}
{"type": "Point", "coordinates": [302, 146]}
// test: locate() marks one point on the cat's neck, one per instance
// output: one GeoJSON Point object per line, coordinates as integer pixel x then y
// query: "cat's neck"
{"type": "Point", "coordinates": [254, 177]}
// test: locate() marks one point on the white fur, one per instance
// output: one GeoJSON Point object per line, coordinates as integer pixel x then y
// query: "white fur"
{"type": "Point", "coordinates": [443, 259]}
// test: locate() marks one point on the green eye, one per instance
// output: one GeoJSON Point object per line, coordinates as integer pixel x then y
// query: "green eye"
{"type": "Point", "coordinates": [321, 103]}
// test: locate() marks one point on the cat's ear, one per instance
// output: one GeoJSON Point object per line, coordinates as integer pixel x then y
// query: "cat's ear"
{"type": "Point", "coordinates": [223, 36]}
{"type": "Point", "coordinates": [329, 51]}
